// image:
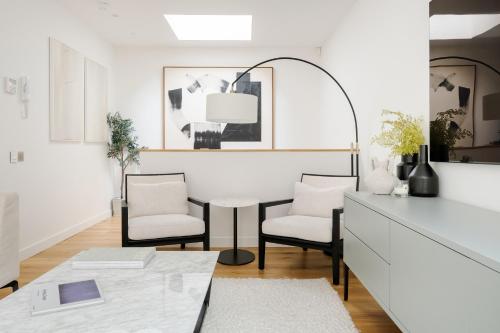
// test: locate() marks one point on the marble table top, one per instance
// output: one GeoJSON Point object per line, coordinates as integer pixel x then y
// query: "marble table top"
{"type": "Point", "coordinates": [234, 202]}
{"type": "Point", "coordinates": [166, 296]}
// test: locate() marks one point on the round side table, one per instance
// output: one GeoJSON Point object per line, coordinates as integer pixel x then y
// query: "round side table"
{"type": "Point", "coordinates": [235, 256]}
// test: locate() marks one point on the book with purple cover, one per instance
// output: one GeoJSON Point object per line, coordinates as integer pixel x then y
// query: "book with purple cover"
{"type": "Point", "coordinates": [52, 297]}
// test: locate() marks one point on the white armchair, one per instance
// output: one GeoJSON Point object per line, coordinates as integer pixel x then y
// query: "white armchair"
{"type": "Point", "coordinates": [9, 240]}
{"type": "Point", "coordinates": [319, 231]}
{"type": "Point", "coordinates": [155, 212]}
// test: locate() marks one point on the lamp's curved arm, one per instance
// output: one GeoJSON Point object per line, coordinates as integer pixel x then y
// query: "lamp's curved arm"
{"type": "Point", "coordinates": [318, 67]}
{"type": "Point", "coordinates": [467, 59]}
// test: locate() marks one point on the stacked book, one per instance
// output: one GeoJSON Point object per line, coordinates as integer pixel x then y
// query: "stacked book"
{"type": "Point", "coordinates": [111, 258]}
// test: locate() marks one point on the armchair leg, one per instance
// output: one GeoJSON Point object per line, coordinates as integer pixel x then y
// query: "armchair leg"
{"type": "Point", "coordinates": [335, 266]}
{"type": "Point", "coordinates": [14, 285]}
{"type": "Point", "coordinates": [206, 244]}
{"type": "Point", "coordinates": [346, 282]}
{"type": "Point", "coordinates": [183, 246]}
{"type": "Point", "coordinates": [336, 246]}
{"type": "Point", "coordinates": [304, 249]}
{"type": "Point", "coordinates": [262, 253]}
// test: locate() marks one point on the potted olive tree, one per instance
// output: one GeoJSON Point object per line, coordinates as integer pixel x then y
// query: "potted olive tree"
{"type": "Point", "coordinates": [123, 147]}
{"type": "Point", "coordinates": [403, 134]}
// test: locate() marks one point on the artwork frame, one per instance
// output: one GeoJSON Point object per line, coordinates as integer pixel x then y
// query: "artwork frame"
{"type": "Point", "coordinates": [464, 78]}
{"type": "Point", "coordinates": [96, 102]}
{"type": "Point", "coordinates": [229, 137]}
{"type": "Point", "coordinates": [66, 97]}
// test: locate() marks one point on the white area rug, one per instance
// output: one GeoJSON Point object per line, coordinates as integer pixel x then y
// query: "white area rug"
{"type": "Point", "coordinates": [275, 305]}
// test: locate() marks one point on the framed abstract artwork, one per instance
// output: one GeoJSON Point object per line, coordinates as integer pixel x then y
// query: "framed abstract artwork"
{"type": "Point", "coordinates": [184, 98]}
{"type": "Point", "coordinates": [453, 87]}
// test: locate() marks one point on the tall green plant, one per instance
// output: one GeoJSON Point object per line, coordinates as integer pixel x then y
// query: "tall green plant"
{"type": "Point", "coordinates": [123, 144]}
{"type": "Point", "coordinates": [401, 133]}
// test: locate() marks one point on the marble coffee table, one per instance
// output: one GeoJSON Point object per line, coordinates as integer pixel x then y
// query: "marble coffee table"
{"type": "Point", "coordinates": [170, 295]}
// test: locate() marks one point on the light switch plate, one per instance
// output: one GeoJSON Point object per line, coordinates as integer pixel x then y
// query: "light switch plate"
{"type": "Point", "coordinates": [10, 85]}
{"type": "Point", "coordinates": [13, 157]}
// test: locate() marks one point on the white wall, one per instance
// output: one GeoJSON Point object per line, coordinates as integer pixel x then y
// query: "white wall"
{"type": "Point", "coordinates": [63, 187]}
{"type": "Point", "coordinates": [380, 53]}
{"type": "Point", "coordinates": [139, 84]}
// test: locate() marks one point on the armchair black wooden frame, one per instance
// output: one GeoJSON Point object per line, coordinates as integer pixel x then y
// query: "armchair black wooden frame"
{"type": "Point", "coordinates": [183, 240]}
{"type": "Point", "coordinates": [335, 247]}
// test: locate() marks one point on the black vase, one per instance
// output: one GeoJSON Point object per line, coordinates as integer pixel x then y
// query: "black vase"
{"type": "Point", "coordinates": [404, 168]}
{"type": "Point", "coordinates": [423, 181]}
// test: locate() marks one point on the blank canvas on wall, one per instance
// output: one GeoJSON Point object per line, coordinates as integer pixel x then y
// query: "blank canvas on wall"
{"type": "Point", "coordinates": [96, 101]}
{"type": "Point", "coordinates": [185, 91]}
{"type": "Point", "coordinates": [66, 93]}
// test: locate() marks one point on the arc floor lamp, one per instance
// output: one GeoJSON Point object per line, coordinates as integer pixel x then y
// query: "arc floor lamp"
{"type": "Point", "coordinates": [241, 108]}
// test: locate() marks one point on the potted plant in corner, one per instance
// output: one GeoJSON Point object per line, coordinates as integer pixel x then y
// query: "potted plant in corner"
{"type": "Point", "coordinates": [123, 147]}
{"type": "Point", "coordinates": [403, 134]}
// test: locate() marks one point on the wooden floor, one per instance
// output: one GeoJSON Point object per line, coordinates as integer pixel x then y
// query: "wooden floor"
{"type": "Point", "coordinates": [281, 262]}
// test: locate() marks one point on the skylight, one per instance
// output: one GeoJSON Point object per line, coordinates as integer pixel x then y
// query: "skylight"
{"type": "Point", "coordinates": [211, 27]}
{"type": "Point", "coordinates": [461, 26]}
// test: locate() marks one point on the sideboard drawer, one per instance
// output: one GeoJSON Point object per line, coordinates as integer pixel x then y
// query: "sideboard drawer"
{"type": "Point", "coordinates": [370, 227]}
{"type": "Point", "coordinates": [368, 267]}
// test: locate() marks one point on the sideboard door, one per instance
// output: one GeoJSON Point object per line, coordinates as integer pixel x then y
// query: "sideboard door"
{"type": "Point", "coordinates": [435, 289]}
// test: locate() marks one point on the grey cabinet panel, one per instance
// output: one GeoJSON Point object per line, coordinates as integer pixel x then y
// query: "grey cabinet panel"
{"type": "Point", "coordinates": [369, 226]}
{"type": "Point", "coordinates": [434, 289]}
{"type": "Point", "coordinates": [368, 267]}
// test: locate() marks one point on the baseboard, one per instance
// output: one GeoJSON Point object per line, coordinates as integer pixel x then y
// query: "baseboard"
{"type": "Point", "coordinates": [44, 244]}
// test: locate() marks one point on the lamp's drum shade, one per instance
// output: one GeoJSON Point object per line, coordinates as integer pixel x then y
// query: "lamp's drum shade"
{"type": "Point", "coordinates": [232, 108]}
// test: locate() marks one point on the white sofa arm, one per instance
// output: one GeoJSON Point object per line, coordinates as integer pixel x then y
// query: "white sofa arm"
{"type": "Point", "coordinates": [9, 238]}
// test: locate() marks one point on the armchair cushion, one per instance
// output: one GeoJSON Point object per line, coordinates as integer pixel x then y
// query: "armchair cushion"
{"type": "Point", "coordinates": [311, 228]}
{"type": "Point", "coordinates": [162, 226]}
{"type": "Point", "coordinates": [157, 199]}
{"type": "Point", "coordinates": [314, 201]}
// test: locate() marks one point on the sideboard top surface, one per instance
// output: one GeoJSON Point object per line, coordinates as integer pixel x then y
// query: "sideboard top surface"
{"type": "Point", "coordinates": [469, 230]}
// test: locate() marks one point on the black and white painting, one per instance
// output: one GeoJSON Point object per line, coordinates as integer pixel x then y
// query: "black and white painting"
{"type": "Point", "coordinates": [453, 87]}
{"type": "Point", "coordinates": [185, 91]}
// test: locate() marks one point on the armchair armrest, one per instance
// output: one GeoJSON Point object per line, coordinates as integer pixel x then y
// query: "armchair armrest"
{"type": "Point", "coordinates": [336, 224]}
{"type": "Point", "coordinates": [206, 213]}
{"type": "Point", "coordinates": [197, 202]}
{"type": "Point", "coordinates": [275, 203]}
{"type": "Point", "coordinates": [264, 205]}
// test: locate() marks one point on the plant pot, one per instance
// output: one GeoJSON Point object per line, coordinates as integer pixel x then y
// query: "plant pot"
{"type": "Point", "coordinates": [116, 205]}
{"type": "Point", "coordinates": [440, 153]}
{"type": "Point", "coordinates": [424, 182]}
{"type": "Point", "coordinates": [405, 167]}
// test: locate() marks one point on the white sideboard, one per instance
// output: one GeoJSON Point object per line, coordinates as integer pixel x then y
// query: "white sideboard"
{"type": "Point", "coordinates": [432, 264]}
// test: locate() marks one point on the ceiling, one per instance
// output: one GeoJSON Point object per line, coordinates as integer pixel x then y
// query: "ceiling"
{"type": "Point", "coordinates": [465, 7]}
{"type": "Point", "coordinates": [460, 7]}
{"type": "Point", "coordinates": [297, 23]}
